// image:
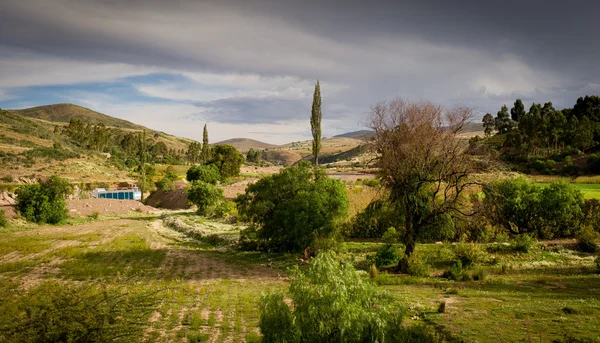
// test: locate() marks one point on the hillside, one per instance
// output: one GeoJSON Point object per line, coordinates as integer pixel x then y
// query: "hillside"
{"type": "Point", "coordinates": [63, 113]}
{"type": "Point", "coordinates": [361, 134]}
{"type": "Point", "coordinates": [31, 147]}
{"type": "Point", "coordinates": [244, 144]}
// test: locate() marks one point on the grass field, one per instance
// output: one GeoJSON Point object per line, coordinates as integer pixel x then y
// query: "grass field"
{"type": "Point", "coordinates": [589, 190]}
{"type": "Point", "coordinates": [211, 293]}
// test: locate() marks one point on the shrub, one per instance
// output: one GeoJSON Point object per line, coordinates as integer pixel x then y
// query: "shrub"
{"type": "Point", "coordinates": [373, 221]}
{"type": "Point", "coordinates": [204, 195]}
{"type": "Point", "coordinates": [58, 312]}
{"type": "Point", "coordinates": [223, 208]}
{"type": "Point", "coordinates": [522, 207]}
{"type": "Point", "coordinates": [206, 173]}
{"type": "Point", "coordinates": [94, 215]}
{"type": "Point", "coordinates": [167, 182]}
{"type": "Point", "coordinates": [591, 213]}
{"type": "Point", "coordinates": [468, 254]}
{"type": "Point", "coordinates": [44, 202]}
{"type": "Point", "coordinates": [523, 243]}
{"type": "Point", "coordinates": [294, 207]}
{"type": "Point", "coordinates": [332, 303]}
{"type": "Point", "coordinates": [455, 273]}
{"type": "Point", "coordinates": [373, 271]}
{"type": "Point", "coordinates": [587, 240]}
{"type": "Point", "coordinates": [442, 307]}
{"type": "Point", "coordinates": [3, 220]}
{"type": "Point", "coordinates": [417, 266]}
{"type": "Point", "coordinates": [7, 178]}
{"type": "Point", "coordinates": [388, 254]}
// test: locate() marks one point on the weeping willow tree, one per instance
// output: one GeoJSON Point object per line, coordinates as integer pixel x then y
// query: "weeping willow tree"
{"type": "Point", "coordinates": [423, 164]}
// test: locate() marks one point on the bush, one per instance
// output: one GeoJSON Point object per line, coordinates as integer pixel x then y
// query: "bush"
{"type": "Point", "coordinates": [58, 312]}
{"type": "Point", "coordinates": [387, 255]}
{"type": "Point", "coordinates": [417, 266]}
{"type": "Point", "coordinates": [522, 207]}
{"type": "Point", "coordinates": [167, 182]}
{"type": "Point", "coordinates": [294, 207]}
{"type": "Point", "coordinates": [591, 213]}
{"type": "Point", "coordinates": [373, 221]}
{"type": "Point", "coordinates": [223, 208]}
{"type": "Point", "coordinates": [206, 173]}
{"type": "Point", "coordinates": [204, 195]}
{"type": "Point", "coordinates": [3, 220]}
{"type": "Point", "coordinates": [373, 271]}
{"type": "Point", "coordinates": [587, 240]}
{"type": "Point", "coordinates": [332, 303]}
{"type": "Point", "coordinates": [523, 243]}
{"type": "Point", "coordinates": [7, 178]}
{"type": "Point", "coordinates": [468, 254]}
{"type": "Point", "coordinates": [455, 273]}
{"type": "Point", "coordinates": [44, 202]}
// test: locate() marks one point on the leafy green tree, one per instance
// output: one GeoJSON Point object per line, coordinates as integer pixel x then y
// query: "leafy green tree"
{"type": "Point", "coordinates": [228, 159]}
{"type": "Point", "coordinates": [523, 207]}
{"type": "Point", "coordinates": [204, 195]}
{"type": "Point", "coordinates": [44, 202]}
{"type": "Point", "coordinates": [208, 173]}
{"type": "Point", "coordinates": [205, 146]}
{"type": "Point", "coordinates": [193, 153]}
{"type": "Point", "coordinates": [518, 111]}
{"type": "Point", "coordinates": [561, 206]}
{"type": "Point", "coordinates": [488, 124]}
{"type": "Point", "coordinates": [294, 207]}
{"type": "Point", "coordinates": [503, 122]}
{"type": "Point", "coordinates": [557, 125]}
{"type": "Point", "coordinates": [589, 107]}
{"type": "Point", "coordinates": [584, 136]}
{"type": "Point", "coordinates": [254, 156]}
{"type": "Point", "coordinates": [315, 123]}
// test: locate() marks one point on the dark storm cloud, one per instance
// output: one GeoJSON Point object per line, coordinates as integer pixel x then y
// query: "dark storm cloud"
{"type": "Point", "coordinates": [483, 53]}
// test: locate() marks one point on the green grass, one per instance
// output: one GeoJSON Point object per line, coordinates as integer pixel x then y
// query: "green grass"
{"type": "Point", "coordinates": [211, 293]}
{"type": "Point", "coordinates": [589, 190]}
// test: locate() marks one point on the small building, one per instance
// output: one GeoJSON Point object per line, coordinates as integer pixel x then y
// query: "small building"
{"type": "Point", "coordinates": [119, 194]}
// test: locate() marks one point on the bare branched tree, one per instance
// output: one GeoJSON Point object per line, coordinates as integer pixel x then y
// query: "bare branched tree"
{"type": "Point", "coordinates": [423, 164]}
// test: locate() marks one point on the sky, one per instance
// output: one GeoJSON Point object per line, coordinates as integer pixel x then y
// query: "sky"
{"type": "Point", "coordinates": [247, 68]}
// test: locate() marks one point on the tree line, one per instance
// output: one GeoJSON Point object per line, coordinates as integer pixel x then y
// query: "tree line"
{"type": "Point", "coordinates": [544, 130]}
{"type": "Point", "coordinates": [125, 147]}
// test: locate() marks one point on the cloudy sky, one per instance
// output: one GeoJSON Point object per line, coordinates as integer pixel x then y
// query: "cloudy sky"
{"type": "Point", "coordinates": [248, 68]}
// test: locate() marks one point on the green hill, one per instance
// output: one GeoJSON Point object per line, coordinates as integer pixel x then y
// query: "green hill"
{"type": "Point", "coordinates": [63, 113]}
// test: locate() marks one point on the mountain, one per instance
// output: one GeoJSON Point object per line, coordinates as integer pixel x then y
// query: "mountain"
{"type": "Point", "coordinates": [361, 134]}
{"type": "Point", "coordinates": [244, 144]}
{"type": "Point", "coordinates": [63, 113]}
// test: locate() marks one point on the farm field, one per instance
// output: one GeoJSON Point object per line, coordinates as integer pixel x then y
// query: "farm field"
{"type": "Point", "coordinates": [206, 291]}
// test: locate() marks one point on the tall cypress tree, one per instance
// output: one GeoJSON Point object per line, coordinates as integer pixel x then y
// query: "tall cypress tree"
{"type": "Point", "coordinates": [315, 123]}
{"type": "Point", "coordinates": [205, 146]}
